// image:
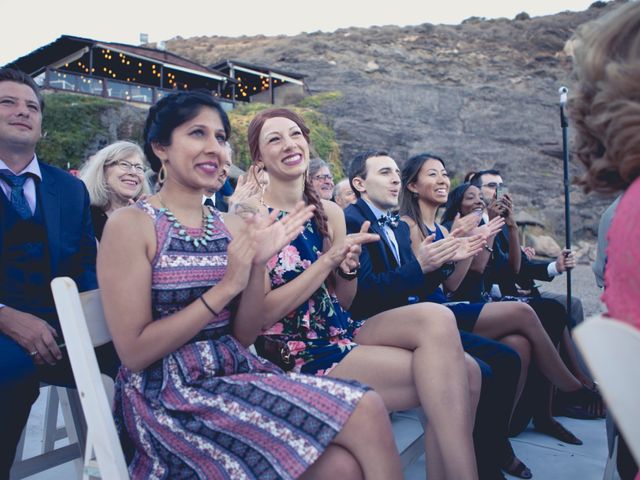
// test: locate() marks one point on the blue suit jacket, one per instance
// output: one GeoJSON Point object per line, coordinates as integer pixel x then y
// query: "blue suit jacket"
{"type": "Point", "coordinates": [72, 246]}
{"type": "Point", "coordinates": [502, 274]}
{"type": "Point", "coordinates": [382, 283]}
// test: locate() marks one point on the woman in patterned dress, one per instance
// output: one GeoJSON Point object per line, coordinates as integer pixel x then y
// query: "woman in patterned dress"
{"type": "Point", "coordinates": [183, 290]}
{"type": "Point", "coordinates": [411, 355]}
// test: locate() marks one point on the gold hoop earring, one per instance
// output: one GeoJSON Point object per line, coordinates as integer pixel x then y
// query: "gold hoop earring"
{"type": "Point", "coordinates": [162, 174]}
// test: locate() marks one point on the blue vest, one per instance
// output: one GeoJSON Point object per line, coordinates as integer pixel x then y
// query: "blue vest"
{"type": "Point", "coordinates": [25, 271]}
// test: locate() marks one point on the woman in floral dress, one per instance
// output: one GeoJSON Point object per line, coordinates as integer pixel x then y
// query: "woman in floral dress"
{"type": "Point", "coordinates": [411, 355]}
{"type": "Point", "coordinates": [183, 290]}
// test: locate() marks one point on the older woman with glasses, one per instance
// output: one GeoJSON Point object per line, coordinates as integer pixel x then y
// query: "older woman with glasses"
{"type": "Point", "coordinates": [115, 177]}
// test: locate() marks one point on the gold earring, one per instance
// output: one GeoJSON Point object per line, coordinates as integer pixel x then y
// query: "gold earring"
{"type": "Point", "coordinates": [162, 174]}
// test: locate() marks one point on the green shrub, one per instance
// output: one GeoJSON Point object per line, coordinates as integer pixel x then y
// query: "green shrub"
{"type": "Point", "coordinates": [72, 123]}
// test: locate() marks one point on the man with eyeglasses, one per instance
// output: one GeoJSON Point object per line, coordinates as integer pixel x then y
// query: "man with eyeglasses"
{"type": "Point", "coordinates": [321, 178]}
{"type": "Point", "coordinates": [491, 184]}
{"type": "Point", "coordinates": [45, 232]}
{"type": "Point", "coordinates": [516, 284]}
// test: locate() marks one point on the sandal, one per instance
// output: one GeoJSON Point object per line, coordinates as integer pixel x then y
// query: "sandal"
{"type": "Point", "coordinates": [515, 467]}
{"type": "Point", "coordinates": [555, 429]}
{"type": "Point", "coordinates": [512, 464]}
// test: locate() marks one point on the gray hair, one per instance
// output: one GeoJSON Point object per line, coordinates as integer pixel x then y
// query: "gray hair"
{"type": "Point", "coordinates": [315, 165]}
{"type": "Point", "coordinates": [340, 185]}
{"type": "Point", "coordinates": [92, 171]}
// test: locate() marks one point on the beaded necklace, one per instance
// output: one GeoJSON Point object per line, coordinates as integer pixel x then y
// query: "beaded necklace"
{"type": "Point", "coordinates": [207, 226]}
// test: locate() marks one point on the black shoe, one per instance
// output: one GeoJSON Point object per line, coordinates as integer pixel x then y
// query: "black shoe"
{"type": "Point", "coordinates": [516, 468]}
{"type": "Point", "coordinates": [584, 404]}
{"type": "Point", "coordinates": [555, 429]}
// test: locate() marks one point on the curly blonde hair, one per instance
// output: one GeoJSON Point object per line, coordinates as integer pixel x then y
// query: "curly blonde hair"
{"type": "Point", "coordinates": [605, 107]}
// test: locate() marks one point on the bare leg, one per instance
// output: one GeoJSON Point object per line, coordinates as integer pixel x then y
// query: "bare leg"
{"type": "Point", "coordinates": [421, 362]}
{"type": "Point", "coordinates": [335, 462]}
{"type": "Point", "coordinates": [569, 350]}
{"type": "Point", "coordinates": [521, 345]}
{"type": "Point", "coordinates": [433, 457]}
{"type": "Point", "coordinates": [500, 319]}
{"type": "Point", "coordinates": [367, 436]}
{"type": "Point", "coordinates": [435, 466]}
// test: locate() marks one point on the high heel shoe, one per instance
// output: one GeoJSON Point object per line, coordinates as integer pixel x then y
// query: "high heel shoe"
{"type": "Point", "coordinates": [554, 429]}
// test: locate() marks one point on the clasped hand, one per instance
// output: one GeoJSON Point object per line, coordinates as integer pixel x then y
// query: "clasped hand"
{"type": "Point", "coordinates": [565, 261]}
{"type": "Point", "coordinates": [346, 253]}
{"type": "Point", "coordinates": [262, 237]}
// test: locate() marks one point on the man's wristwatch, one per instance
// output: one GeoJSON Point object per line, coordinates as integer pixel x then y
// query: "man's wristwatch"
{"type": "Point", "coordinates": [350, 275]}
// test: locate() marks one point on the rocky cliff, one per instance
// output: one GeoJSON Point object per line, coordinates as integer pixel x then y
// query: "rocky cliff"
{"type": "Point", "coordinates": [480, 94]}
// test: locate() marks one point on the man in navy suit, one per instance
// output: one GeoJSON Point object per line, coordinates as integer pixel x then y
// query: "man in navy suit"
{"type": "Point", "coordinates": [390, 276]}
{"type": "Point", "coordinates": [45, 232]}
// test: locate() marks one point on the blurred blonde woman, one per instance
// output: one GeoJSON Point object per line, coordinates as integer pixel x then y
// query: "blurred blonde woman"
{"type": "Point", "coordinates": [115, 177]}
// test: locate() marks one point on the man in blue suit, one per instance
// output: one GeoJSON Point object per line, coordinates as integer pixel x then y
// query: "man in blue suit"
{"type": "Point", "coordinates": [390, 276]}
{"type": "Point", "coordinates": [45, 232]}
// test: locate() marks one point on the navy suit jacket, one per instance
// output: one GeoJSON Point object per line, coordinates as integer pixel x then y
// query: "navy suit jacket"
{"type": "Point", "coordinates": [503, 275]}
{"type": "Point", "coordinates": [382, 283]}
{"type": "Point", "coordinates": [72, 245]}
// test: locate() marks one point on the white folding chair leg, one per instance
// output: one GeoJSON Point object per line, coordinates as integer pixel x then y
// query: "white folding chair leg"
{"type": "Point", "coordinates": [73, 422]}
{"type": "Point", "coordinates": [50, 424]}
{"type": "Point", "coordinates": [48, 455]}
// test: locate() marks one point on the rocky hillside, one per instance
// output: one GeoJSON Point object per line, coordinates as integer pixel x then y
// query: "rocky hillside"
{"type": "Point", "coordinates": [481, 94]}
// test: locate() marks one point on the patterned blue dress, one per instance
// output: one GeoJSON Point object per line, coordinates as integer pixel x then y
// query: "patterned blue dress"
{"type": "Point", "coordinates": [211, 409]}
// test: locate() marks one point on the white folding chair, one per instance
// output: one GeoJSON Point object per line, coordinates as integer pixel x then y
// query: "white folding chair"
{"type": "Point", "coordinates": [612, 351]}
{"type": "Point", "coordinates": [57, 399]}
{"type": "Point", "coordinates": [84, 327]}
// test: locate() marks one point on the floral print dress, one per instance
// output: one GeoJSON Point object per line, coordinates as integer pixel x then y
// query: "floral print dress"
{"type": "Point", "coordinates": [319, 332]}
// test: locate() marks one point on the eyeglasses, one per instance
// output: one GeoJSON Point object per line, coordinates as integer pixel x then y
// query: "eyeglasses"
{"type": "Point", "coordinates": [128, 166]}
{"type": "Point", "coordinates": [323, 178]}
{"type": "Point", "coordinates": [493, 185]}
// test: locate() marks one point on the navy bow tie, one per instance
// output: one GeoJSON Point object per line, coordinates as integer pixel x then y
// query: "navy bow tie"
{"type": "Point", "coordinates": [389, 220]}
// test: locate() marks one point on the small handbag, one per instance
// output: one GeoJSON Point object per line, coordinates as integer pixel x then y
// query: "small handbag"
{"type": "Point", "coordinates": [276, 351]}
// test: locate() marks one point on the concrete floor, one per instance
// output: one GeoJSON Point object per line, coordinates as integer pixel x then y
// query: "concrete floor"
{"type": "Point", "coordinates": [548, 459]}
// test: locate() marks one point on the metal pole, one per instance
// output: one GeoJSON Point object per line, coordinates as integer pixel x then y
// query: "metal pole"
{"type": "Point", "coordinates": [564, 124]}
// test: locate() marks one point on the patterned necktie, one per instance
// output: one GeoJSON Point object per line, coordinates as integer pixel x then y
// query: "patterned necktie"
{"type": "Point", "coordinates": [389, 220]}
{"type": "Point", "coordinates": [18, 200]}
{"type": "Point", "coordinates": [208, 202]}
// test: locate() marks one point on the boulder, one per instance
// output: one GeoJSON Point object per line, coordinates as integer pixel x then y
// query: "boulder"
{"type": "Point", "coordinates": [545, 246]}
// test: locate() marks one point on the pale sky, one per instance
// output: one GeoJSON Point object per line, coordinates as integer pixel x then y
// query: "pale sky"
{"type": "Point", "coordinates": [29, 24]}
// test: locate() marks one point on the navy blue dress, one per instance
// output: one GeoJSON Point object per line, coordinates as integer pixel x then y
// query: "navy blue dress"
{"type": "Point", "coordinates": [466, 313]}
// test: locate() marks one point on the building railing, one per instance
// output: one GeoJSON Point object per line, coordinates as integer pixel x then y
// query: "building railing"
{"type": "Point", "coordinates": [104, 87]}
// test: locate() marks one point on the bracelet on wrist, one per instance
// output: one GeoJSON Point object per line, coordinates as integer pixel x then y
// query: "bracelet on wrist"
{"type": "Point", "coordinates": [204, 302]}
{"type": "Point", "coordinates": [350, 275]}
